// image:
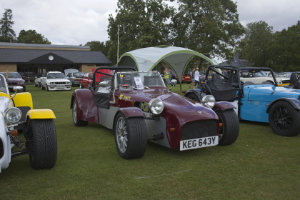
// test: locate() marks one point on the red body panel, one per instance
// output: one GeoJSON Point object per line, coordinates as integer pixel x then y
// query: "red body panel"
{"type": "Point", "coordinates": [86, 108]}
{"type": "Point", "coordinates": [223, 105]}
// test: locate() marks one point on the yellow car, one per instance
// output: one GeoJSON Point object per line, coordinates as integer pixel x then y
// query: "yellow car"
{"type": "Point", "coordinates": [24, 130]}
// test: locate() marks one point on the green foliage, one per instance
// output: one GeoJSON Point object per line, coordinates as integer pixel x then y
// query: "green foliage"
{"type": "Point", "coordinates": [280, 50]}
{"type": "Point", "coordinates": [286, 49]}
{"type": "Point", "coordinates": [98, 46]}
{"type": "Point", "coordinates": [255, 47]}
{"type": "Point", "coordinates": [32, 37]}
{"type": "Point", "coordinates": [209, 26]}
{"type": "Point", "coordinates": [140, 23]}
{"type": "Point", "coordinates": [7, 34]}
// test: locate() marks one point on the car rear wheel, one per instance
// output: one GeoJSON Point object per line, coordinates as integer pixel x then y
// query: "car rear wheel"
{"type": "Point", "coordinates": [130, 136]}
{"type": "Point", "coordinates": [42, 143]}
{"type": "Point", "coordinates": [284, 119]}
{"type": "Point", "coordinates": [229, 131]}
{"type": "Point", "coordinates": [76, 121]}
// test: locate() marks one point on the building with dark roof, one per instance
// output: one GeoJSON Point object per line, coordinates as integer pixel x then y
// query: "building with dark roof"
{"type": "Point", "coordinates": [40, 58]}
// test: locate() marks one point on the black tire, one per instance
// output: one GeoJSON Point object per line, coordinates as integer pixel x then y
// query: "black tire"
{"type": "Point", "coordinates": [193, 96]}
{"type": "Point", "coordinates": [42, 144]}
{"type": "Point", "coordinates": [229, 132]}
{"type": "Point", "coordinates": [284, 119]}
{"type": "Point", "coordinates": [132, 133]}
{"type": "Point", "coordinates": [76, 121]}
{"type": "Point", "coordinates": [47, 88]}
{"type": "Point", "coordinates": [42, 87]}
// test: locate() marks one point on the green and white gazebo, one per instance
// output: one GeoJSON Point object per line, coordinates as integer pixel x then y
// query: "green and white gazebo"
{"type": "Point", "coordinates": [146, 59]}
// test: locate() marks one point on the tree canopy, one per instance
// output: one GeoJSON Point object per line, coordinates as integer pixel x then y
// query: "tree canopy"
{"type": "Point", "coordinates": [32, 37]}
{"type": "Point", "coordinates": [211, 27]}
{"type": "Point", "coordinates": [7, 34]}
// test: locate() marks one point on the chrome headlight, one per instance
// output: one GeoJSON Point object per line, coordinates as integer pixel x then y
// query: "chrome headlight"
{"type": "Point", "coordinates": [156, 106]}
{"type": "Point", "coordinates": [209, 101]}
{"type": "Point", "coordinates": [13, 115]}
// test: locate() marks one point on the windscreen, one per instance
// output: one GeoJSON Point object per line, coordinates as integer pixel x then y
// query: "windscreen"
{"type": "Point", "coordinates": [139, 80]}
{"type": "Point", "coordinates": [55, 75]}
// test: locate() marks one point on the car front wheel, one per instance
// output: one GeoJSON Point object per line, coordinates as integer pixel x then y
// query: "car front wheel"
{"type": "Point", "coordinates": [284, 119]}
{"type": "Point", "coordinates": [229, 131]}
{"type": "Point", "coordinates": [130, 136]}
{"type": "Point", "coordinates": [42, 143]}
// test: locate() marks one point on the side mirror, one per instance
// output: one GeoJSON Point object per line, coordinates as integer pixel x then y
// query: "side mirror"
{"type": "Point", "coordinates": [17, 88]}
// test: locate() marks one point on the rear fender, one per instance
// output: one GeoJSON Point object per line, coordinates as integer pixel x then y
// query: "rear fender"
{"type": "Point", "coordinates": [86, 107]}
{"type": "Point", "coordinates": [23, 99]}
{"type": "Point", "coordinates": [292, 101]}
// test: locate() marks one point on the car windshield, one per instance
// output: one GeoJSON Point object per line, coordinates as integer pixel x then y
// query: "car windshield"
{"type": "Point", "coordinates": [3, 87]}
{"type": "Point", "coordinates": [55, 75]}
{"type": "Point", "coordinates": [79, 74]}
{"type": "Point", "coordinates": [139, 80]}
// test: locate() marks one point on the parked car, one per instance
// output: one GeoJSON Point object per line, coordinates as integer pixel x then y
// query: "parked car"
{"type": "Point", "coordinates": [87, 81]}
{"type": "Point", "coordinates": [38, 79]}
{"type": "Point", "coordinates": [186, 78]}
{"type": "Point", "coordinates": [268, 103]}
{"type": "Point", "coordinates": [139, 108]}
{"type": "Point", "coordinates": [38, 134]}
{"type": "Point", "coordinates": [261, 77]}
{"type": "Point", "coordinates": [55, 80]}
{"type": "Point", "coordinates": [74, 77]}
{"type": "Point", "coordinates": [14, 79]}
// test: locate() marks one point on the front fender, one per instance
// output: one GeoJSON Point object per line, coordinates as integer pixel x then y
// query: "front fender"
{"type": "Point", "coordinates": [40, 114]}
{"type": "Point", "coordinates": [222, 106]}
{"type": "Point", "coordinates": [86, 107]}
{"type": "Point", "coordinates": [292, 101]}
{"type": "Point", "coordinates": [132, 112]}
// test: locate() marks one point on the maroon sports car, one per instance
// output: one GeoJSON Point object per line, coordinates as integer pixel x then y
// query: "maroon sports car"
{"type": "Point", "coordinates": [139, 108]}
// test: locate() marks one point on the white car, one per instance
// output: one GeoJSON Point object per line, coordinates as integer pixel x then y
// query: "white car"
{"type": "Point", "coordinates": [260, 77]}
{"type": "Point", "coordinates": [55, 80]}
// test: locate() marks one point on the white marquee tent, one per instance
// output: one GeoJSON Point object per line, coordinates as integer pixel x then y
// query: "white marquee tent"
{"type": "Point", "coordinates": [146, 59]}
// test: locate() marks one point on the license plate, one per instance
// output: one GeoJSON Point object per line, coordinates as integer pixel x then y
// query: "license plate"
{"type": "Point", "coordinates": [199, 143]}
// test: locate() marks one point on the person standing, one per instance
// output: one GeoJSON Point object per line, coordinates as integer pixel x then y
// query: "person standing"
{"type": "Point", "coordinates": [167, 76]}
{"type": "Point", "coordinates": [197, 77]}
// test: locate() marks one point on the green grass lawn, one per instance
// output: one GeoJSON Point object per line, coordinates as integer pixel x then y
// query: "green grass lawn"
{"type": "Point", "coordinates": [259, 165]}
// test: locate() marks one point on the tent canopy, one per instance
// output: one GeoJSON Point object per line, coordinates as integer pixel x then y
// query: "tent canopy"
{"type": "Point", "coordinates": [146, 59]}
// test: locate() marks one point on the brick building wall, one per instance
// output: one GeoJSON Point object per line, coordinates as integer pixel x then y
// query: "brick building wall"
{"type": "Point", "coordinates": [8, 67]}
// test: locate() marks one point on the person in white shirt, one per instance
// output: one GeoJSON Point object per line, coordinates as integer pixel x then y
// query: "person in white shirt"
{"type": "Point", "coordinates": [197, 77]}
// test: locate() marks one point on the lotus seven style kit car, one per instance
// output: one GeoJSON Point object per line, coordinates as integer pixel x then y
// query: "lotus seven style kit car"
{"type": "Point", "coordinates": [139, 108]}
{"type": "Point", "coordinates": [268, 103]}
{"type": "Point", "coordinates": [25, 130]}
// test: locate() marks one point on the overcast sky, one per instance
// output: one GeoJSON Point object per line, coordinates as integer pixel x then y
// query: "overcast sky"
{"type": "Point", "coordinates": [74, 22]}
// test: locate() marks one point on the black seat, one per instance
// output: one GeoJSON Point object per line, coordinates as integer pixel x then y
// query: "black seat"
{"type": "Point", "coordinates": [295, 80]}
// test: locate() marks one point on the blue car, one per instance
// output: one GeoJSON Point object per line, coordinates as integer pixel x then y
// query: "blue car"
{"type": "Point", "coordinates": [264, 102]}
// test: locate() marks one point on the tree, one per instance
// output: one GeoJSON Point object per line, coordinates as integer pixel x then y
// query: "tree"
{"type": "Point", "coordinates": [256, 46]}
{"type": "Point", "coordinates": [211, 27]}
{"type": "Point", "coordinates": [286, 49]}
{"type": "Point", "coordinates": [32, 37]}
{"type": "Point", "coordinates": [140, 23]}
{"type": "Point", "coordinates": [7, 34]}
{"type": "Point", "coordinates": [98, 46]}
